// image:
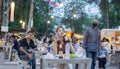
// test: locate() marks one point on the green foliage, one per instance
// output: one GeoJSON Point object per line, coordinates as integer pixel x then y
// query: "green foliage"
{"type": "Point", "coordinates": [41, 17]}
{"type": "Point", "coordinates": [114, 14]}
{"type": "Point", "coordinates": [75, 23]}
{"type": "Point", "coordinates": [21, 13]}
{"type": "Point", "coordinates": [78, 24]}
{"type": "Point", "coordinates": [14, 25]}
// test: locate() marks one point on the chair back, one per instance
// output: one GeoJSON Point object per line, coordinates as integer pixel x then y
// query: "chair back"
{"type": "Point", "coordinates": [2, 43]}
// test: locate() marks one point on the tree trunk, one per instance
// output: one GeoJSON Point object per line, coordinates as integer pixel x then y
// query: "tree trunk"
{"type": "Point", "coordinates": [1, 16]}
{"type": "Point", "coordinates": [104, 6]}
{"type": "Point", "coordinates": [30, 22]}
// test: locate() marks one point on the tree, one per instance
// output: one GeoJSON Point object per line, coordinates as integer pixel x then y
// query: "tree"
{"type": "Point", "coordinates": [104, 7]}
{"type": "Point", "coordinates": [21, 13]}
{"type": "Point", "coordinates": [109, 11]}
{"type": "Point", "coordinates": [30, 21]}
{"type": "Point", "coordinates": [74, 16]}
{"type": "Point", "coordinates": [114, 13]}
{"type": "Point", "coordinates": [1, 15]}
{"type": "Point", "coordinates": [41, 17]}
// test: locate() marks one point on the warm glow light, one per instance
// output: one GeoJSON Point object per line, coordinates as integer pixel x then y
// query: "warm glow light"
{"type": "Point", "coordinates": [13, 5]}
{"type": "Point", "coordinates": [77, 36]}
{"type": "Point", "coordinates": [74, 15]}
{"type": "Point", "coordinates": [69, 33]}
{"type": "Point", "coordinates": [12, 12]}
{"type": "Point", "coordinates": [23, 25]}
{"type": "Point", "coordinates": [52, 16]}
{"type": "Point", "coordinates": [78, 40]}
{"type": "Point", "coordinates": [48, 22]}
{"type": "Point", "coordinates": [21, 21]}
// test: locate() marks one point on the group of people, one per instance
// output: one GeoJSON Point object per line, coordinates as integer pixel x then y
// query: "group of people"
{"type": "Point", "coordinates": [26, 46]}
{"type": "Point", "coordinates": [91, 43]}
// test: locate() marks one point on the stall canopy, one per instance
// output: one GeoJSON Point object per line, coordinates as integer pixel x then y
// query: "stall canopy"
{"type": "Point", "coordinates": [110, 33]}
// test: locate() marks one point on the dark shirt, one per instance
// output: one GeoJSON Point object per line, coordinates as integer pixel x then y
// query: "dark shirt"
{"type": "Point", "coordinates": [25, 45]}
{"type": "Point", "coordinates": [16, 45]}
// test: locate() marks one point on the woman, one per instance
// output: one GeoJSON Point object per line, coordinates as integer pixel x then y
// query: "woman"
{"type": "Point", "coordinates": [44, 45]}
{"type": "Point", "coordinates": [60, 33]}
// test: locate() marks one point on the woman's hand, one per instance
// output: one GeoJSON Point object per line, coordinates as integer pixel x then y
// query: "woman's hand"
{"type": "Point", "coordinates": [70, 39]}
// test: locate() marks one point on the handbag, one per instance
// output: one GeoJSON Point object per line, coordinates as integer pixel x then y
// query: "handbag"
{"type": "Point", "coordinates": [92, 47]}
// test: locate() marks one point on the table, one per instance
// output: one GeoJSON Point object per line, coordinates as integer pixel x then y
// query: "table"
{"type": "Point", "coordinates": [10, 49]}
{"type": "Point", "coordinates": [115, 57]}
{"type": "Point", "coordinates": [79, 61]}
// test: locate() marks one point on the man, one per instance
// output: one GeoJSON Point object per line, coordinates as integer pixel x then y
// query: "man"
{"type": "Point", "coordinates": [26, 50]}
{"type": "Point", "coordinates": [15, 45]}
{"type": "Point", "coordinates": [91, 42]}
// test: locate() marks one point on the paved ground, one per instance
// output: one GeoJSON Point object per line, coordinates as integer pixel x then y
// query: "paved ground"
{"type": "Point", "coordinates": [13, 65]}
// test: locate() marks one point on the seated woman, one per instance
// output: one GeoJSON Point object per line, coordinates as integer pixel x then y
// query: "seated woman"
{"type": "Point", "coordinates": [60, 43]}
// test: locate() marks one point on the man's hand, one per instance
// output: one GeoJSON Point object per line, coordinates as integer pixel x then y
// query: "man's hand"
{"type": "Point", "coordinates": [30, 56]}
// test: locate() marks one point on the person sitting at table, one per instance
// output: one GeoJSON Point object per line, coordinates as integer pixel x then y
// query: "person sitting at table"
{"type": "Point", "coordinates": [15, 45]}
{"type": "Point", "coordinates": [60, 42]}
{"type": "Point", "coordinates": [60, 33]}
{"type": "Point", "coordinates": [52, 38]}
{"type": "Point", "coordinates": [27, 50]}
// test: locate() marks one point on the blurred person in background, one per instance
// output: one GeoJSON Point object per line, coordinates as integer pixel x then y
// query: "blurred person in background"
{"type": "Point", "coordinates": [38, 43]}
{"type": "Point", "coordinates": [15, 46]}
{"type": "Point", "coordinates": [77, 44]}
{"type": "Point", "coordinates": [103, 53]}
{"type": "Point", "coordinates": [45, 45]}
{"type": "Point", "coordinates": [91, 42]}
{"type": "Point", "coordinates": [52, 38]}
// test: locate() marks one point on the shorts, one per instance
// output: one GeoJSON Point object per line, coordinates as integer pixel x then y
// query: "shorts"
{"type": "Point", "coordinates": [102, 62]}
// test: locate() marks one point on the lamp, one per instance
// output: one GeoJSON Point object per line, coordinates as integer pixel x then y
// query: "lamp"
{"type": "Point", "coordinates": [12, 11]}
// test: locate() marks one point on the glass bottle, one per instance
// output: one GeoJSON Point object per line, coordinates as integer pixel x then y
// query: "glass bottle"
{"type": "Point", "coordinates": [60, 52]}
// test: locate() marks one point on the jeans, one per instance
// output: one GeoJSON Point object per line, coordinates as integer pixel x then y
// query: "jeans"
{"type": "Point", "coordinates": [14, 50]}
{"type": "Point", "coordinates": [31, 62]}
{"type": "Point", "coordinates": [92, 55]}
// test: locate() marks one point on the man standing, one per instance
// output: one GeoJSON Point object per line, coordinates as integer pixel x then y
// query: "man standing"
{"type": "Point", "coordinates": [27, 50]}
{"type": "Point", "coordinates": [91, 42]}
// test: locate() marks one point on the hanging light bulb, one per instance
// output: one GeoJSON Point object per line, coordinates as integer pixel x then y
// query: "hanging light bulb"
{"type": "Point", "coordinates": [12, 12]}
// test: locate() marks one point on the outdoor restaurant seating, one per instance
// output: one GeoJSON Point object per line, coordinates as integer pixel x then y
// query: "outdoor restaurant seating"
{"type": "Point", "coordinates": [20, 63]}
